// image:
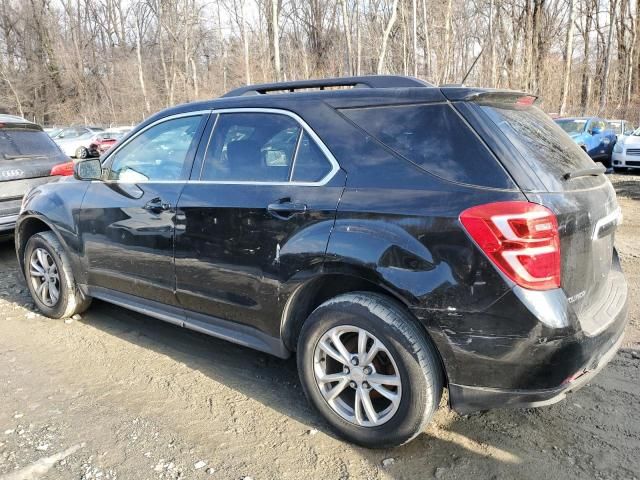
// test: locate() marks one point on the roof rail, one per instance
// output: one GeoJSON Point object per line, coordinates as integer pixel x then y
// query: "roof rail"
{"type": "Point", "coordinates": [367, 81]}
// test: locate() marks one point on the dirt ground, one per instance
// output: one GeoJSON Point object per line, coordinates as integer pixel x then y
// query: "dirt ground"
{"type": "Point", "coordinates": [120, 395]}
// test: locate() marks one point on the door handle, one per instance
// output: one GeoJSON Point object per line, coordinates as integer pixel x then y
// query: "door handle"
{"type": "Point", "coordinates": [157, 205]}
{"type": "Point", "coordinates": [286, 209]}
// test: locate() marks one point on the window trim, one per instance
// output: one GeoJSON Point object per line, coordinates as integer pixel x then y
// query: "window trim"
{"type": "Point", "coordinates": [304, 126]}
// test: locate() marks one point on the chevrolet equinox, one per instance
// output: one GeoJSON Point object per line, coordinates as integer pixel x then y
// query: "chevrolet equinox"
{"type": "Point", "coordinates": [399, 237]}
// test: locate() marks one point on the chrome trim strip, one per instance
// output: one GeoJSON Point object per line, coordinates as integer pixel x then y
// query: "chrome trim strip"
{"type": "Point", "coordinates": [615, 216]}
{"type": "Point", "coordinates": [335, 167]}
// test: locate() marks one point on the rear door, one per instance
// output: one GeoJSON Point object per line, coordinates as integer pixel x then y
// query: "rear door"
{"type": "Point", "coordinates": [27, 155]}
{"type": "Point", "coordinates": [585, 205]}
{"type": "Point", "coordinates": [258, 210]}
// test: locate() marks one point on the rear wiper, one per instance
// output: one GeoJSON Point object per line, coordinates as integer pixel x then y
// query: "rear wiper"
{"type": "Point", "coordinates": [586, 172]}
{"type": "Point", "coordinates": [13, 157]}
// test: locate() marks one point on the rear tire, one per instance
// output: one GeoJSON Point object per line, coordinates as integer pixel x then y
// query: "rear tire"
{"type": "Point", "coordinates": [82, 152]}
{"type": "Point", "coordinates": [402, 383]}
{"type": "Point", "coordinates": [45, 262]}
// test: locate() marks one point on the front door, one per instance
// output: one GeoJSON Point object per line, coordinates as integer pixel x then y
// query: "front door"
{"type": "Point", "coordinates": [266, 188]}
{"type": "Point", "coordinates": [127, 220]}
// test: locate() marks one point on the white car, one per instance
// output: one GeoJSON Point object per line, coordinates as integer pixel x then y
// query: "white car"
{"type": "Point", "coordinates": [626, 152]}
{"type": "Point", "coordinates": [75, 141]}
{"type": "Point", "coordinates": [621, 128]}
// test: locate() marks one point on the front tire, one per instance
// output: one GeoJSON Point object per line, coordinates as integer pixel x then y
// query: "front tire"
{"type": "Point", "coordinates": [49, 278]}
{"type": "Point", "coordinates": [369, 370]}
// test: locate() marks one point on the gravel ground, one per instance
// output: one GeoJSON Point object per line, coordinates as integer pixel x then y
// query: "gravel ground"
{"type": "Point", "coordinates": [115, 394]}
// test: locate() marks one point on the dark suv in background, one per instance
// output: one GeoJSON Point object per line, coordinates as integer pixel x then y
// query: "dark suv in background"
{"type": "Point", "coordinates": [27, 156]}
{"type": "Point", "coordinates": [399, 237]}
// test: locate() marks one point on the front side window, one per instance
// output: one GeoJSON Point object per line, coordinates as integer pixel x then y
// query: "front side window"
{"type": "Point", "coordinates": [159, 153]}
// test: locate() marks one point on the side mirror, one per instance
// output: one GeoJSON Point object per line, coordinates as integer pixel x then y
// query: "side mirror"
{"type": "Point", "coordinates": [89, 169]}
{"type": "Point", "coordinates": [596, 130]}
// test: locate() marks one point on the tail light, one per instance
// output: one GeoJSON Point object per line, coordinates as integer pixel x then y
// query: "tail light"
{"type": "Point", "coordinates": [520, 238]}
{"type": "Point", "coordinates": [62, 169]}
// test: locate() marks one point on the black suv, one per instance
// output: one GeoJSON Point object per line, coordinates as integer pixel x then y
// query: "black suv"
{"type": "Point", "coordinates": [27, 157]}
{"type": "Point", "coordinates": [399, 237]}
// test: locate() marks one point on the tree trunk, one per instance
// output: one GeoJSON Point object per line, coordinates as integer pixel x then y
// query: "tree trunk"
{"type": "Point", "coordinates": [276, 39]}
{"type": "Point", "coordinates": [385, 36]}
{"type": "Point", "coordinates": [605, 73]}
{"type": "Point", "coordinates": [143, 89]}
{"type": "Point", "coordinates": [568, 54]}
{"type": "Point", "coordinates": [347, 34]}
{"type": "Point", "coordinates": [415, 38]}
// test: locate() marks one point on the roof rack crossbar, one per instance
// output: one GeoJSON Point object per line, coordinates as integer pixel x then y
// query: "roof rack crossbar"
{"type": "Point", "coordinates": [367, 81]}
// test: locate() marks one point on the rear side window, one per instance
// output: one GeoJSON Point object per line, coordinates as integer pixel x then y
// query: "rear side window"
{"type": "Point", "coordinates": [20, 143]}
{"type": "Point", "coordinates": [262, 147]}
{"type": "Point", "coordinates": [311, 165]}
{"type": "Point", "coordinates": [435, 138]}
{"type": "Point", "coordinates": [544, 145]}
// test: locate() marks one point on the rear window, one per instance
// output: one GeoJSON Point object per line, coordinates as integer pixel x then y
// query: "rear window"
{"type": "Point", "coordinates": [435, 138]}
{"type": "Point", "coordinates": [544, 145]}
{"type": "Point", "coordinates": [19, 143]}
{"type": "Point", "coordinates": [572, 126]}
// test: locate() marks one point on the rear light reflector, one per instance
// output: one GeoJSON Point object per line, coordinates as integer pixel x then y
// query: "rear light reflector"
{"type": "Point", "coordinates": [62, 169]}
{"type": "Point", "coordinates": [520, 238]}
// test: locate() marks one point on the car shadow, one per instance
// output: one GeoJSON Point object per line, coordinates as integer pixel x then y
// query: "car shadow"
{"type": "Point", "coordinates": [628, 188]}
{"type": "Point", "coordinates": [453, 446]}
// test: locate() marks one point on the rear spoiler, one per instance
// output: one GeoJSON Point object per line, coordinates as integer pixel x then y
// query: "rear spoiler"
{"type": "Point", "coordinates": [489, 96]}
{"type": "Point", "coordinates": [20, 126]}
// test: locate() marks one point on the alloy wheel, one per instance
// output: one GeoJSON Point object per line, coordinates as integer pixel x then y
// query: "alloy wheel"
{"type": "Point", "coordinates": [44, 277]}
{"type": "Point", "coordinates": [357, 376]}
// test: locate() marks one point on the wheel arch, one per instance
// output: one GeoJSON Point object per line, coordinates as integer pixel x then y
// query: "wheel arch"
{"type": "Point", "coordinates": [314, 292]}
{"type": "Point", "coordinates": [28, 227]}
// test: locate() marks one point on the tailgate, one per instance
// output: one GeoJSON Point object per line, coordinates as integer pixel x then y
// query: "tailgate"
{"type": "Point", "coordinates": [587, 221]}
{"type": "Point", "coordinates": [569, 183]}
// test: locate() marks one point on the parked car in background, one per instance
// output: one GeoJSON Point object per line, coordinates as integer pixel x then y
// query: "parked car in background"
{"type": "Point", "coordinates": [75, 141]}
{"type": "Point", "coordinates": [27, 156]}
{"type": "Point", "coordinates": [626, 152]}
{"type": "Point", "coordinates": [592, 134]}
{"type": "Point", "coordinates": [52, 131]}
{"type": "Point", "coordinates": [621, 128]}
{"type": "Point", "coordinates": [398, 238]}
{"type": "Point", "coordinates": [104, 141]}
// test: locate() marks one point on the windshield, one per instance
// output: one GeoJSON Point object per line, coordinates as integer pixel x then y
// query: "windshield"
{"type": "Point", "coordinates": [616, 127]}
{"type": "Point", "coordinates": [572, 126]}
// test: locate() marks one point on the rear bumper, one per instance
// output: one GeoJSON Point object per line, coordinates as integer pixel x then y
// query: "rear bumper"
{"type": "Point", "coordinates": [467, 399]}
{"type": "Point", "coordinates": [528, 348]}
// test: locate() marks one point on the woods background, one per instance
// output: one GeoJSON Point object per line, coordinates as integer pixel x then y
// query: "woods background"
{"type": "Point", "coordinates": [117, 61]}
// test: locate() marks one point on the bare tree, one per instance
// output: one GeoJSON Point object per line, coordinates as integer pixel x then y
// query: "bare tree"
{"type": "Point", "coordinates": [568, 54]}
{"type": "Point", "coordinates": [71, 60]}
{"type": "Point", "coordinates": [385, 36]}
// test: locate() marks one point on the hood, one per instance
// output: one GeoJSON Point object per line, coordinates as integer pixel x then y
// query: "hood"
{"type": "Point", "coordinates": [629, 140]}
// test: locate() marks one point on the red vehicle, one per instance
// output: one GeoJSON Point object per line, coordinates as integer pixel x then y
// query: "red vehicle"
{"type": "Point", "coordinates": [103, 142]}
